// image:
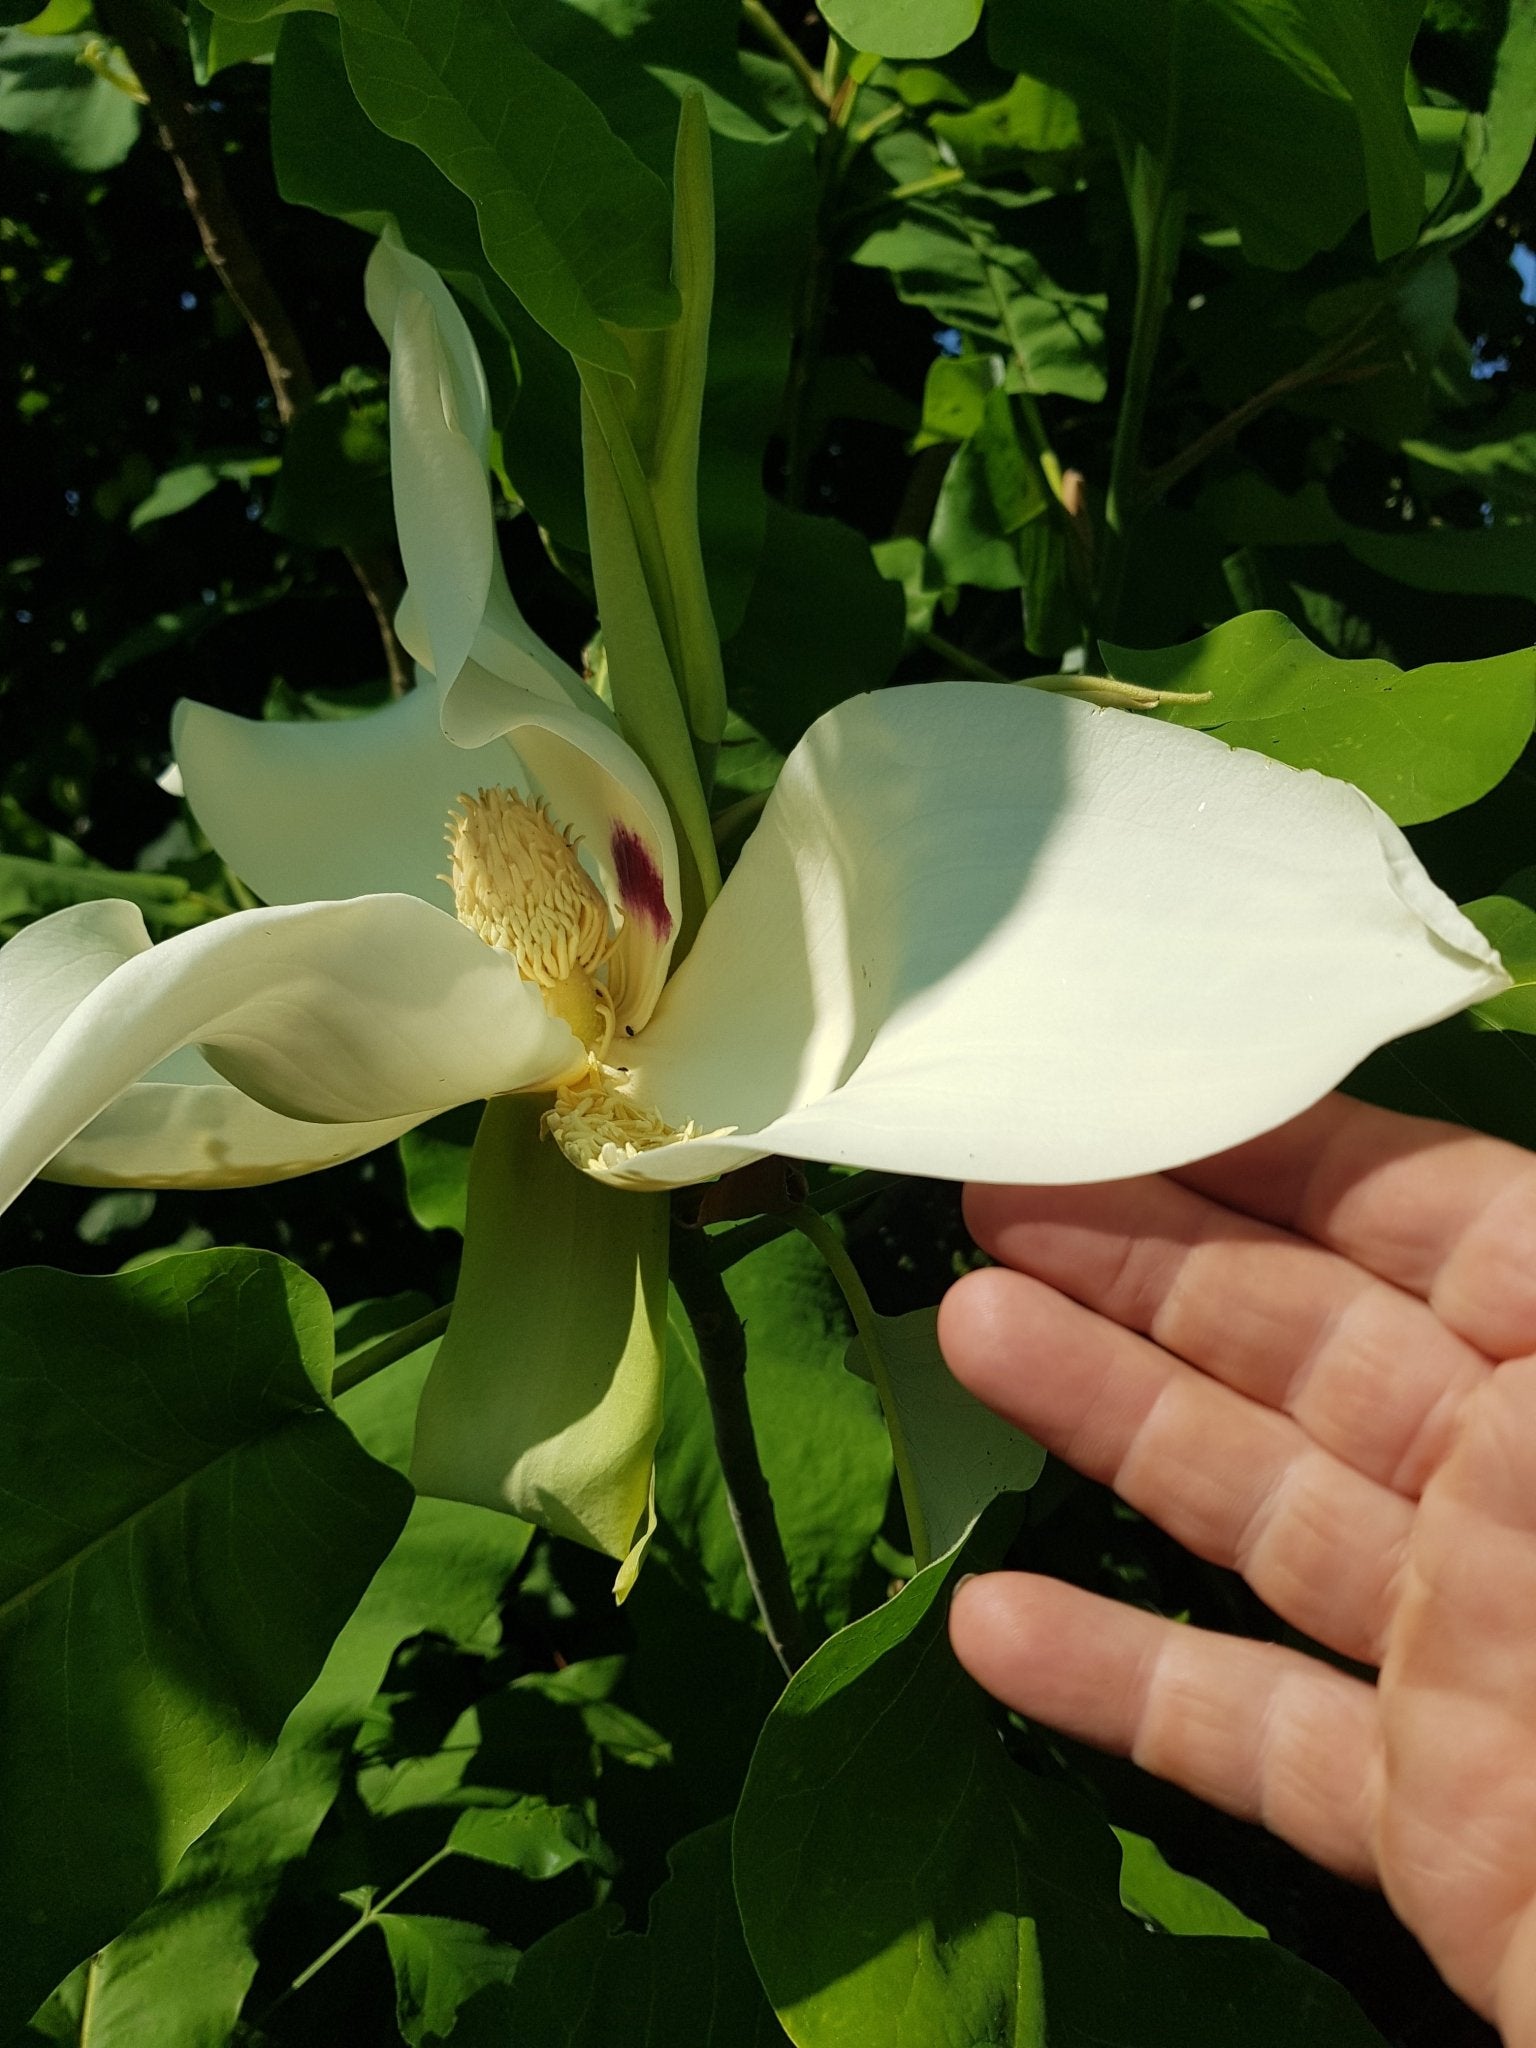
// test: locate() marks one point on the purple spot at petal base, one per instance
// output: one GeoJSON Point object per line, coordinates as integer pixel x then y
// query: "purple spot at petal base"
{"type": "Point", "coordinates": [640, 889]}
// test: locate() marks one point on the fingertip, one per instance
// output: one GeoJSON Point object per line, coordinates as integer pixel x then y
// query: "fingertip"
{"type": "Point", "coordinates": [975, 1324]}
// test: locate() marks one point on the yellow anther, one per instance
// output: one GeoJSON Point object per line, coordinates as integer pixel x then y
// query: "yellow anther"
{"type": "Point", "coordinates": [519, 884]}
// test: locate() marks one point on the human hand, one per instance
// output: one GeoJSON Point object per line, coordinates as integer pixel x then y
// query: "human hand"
{"type": "Point", "coordinates": [1312, 1359]}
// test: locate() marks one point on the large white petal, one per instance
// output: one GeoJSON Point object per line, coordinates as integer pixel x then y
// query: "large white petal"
{"type": "Point", "coordinates": [343, 1013]}
{"type": "Point", "coordinates": [985, 933]}
{"type": "Point", "coordinates": [185, 1126]}
{"type": "Point", "coordinates": [458, 601]}
{"type": "Point", "coordinates": [337, 807]}
{"type": "Point", "coordinates": [439, 434]}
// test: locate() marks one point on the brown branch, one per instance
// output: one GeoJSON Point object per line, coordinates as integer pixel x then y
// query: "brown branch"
{"type": "Point", "coordinates": [1328, 366]}
{"type": "Point", "coordinates": [179, 127]}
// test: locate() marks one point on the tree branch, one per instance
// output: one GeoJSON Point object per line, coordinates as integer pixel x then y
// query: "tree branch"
{"type": "Point", "coordinates": [722, 1346]}
{"type": "Point", "coordinates": [232, 255]}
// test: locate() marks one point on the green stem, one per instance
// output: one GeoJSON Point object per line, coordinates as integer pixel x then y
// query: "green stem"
{"type": "Point", "coordinates": [1157, 211]}
{"type": "Point", "coordinates": [364, 1920]}
{"type": "Point", "coordinates": [783, 45]}
{"type": "Point", "coordinates": [742, 1239]}
{"type": "Point", "coordinates": [826, 1240]}
{"type": "Point", "coordinates": [389, 1351]}
{"type": "Point", "coordinates": [964, 664]}
{"type": "Point", "coordinates": [722, 1347]}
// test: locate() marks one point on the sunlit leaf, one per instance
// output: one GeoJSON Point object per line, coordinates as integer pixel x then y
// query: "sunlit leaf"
{"type": "Point", "coordinates": [1420, 741]}
{"type": "Point", "coordinates": [187, 1528]}
{"type": "Point", "coordinates": [901, 1879]}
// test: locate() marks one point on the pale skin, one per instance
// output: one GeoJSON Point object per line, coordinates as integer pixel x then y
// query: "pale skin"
{"type": "Point", "coordinates": [1312, 1359]}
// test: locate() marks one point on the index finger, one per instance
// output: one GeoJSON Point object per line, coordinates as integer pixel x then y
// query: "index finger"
{"type": "Point", "coordinates": [1442, 1211]}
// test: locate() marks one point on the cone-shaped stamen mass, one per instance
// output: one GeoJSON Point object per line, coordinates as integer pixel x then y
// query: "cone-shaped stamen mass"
{"type": "Point", "coordinates": [598, 1124]}
{"type": "Point", "coordinates": [519, 885]}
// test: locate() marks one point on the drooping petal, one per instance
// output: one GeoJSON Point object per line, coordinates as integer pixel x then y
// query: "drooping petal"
{"type": "Point", "coordinates": [987, 934]}
{"type": "Point", "coordinates": [458, 602]}
{"type": "Point", "coordinates": [185, 1126]}
{"type": "Point", "coordinates": [333, 808]}
{"type": "Point", "coordinates": [545, 1395]}
{"type": "Point", "coordinates": [340, 1013]}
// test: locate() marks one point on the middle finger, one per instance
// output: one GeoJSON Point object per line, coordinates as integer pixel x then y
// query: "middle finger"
{"type": "Point", "coordinates": [1367, 1370]}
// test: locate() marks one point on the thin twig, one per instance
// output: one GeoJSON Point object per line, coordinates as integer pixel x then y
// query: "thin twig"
{"type": "Point", "coordinates": [784, 46]}
{"type": "Point", "coordinates": [722, 1344]}
{"type": "Point", "coordinates": [179, 125]}
{"type": "Point", "coordinates": [388, 1351]}
{"type": "Point", "coordinates": [1328, 366]}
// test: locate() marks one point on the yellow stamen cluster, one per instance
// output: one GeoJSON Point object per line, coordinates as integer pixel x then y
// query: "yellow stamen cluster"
{"type": "Point", "coordinates": [519, 885]}
{"type": "Point", "coordinates": [596, 1110]}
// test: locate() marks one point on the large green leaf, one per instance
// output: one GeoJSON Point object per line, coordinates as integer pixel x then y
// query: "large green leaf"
{"type": "Point", "coordinates": [1496, 144]}
{"type": "Point", "coordinates": [959, 1456]}
{"type": "Point", "coordinates": [823, 1447]}
{"type": "Point", "coordinates": [687, 1982]}
{"type": "Point", "coordinates": [1489, 561]}
{"type": "Point", "coordinates": [180, 1973]}
{"type": "Point", "coordinates": [903, 28]}
{"type": "Point", "coordinates": [439, 1965]}
{"type": "Point", "coordinates": [1508, 921]}
{"type": "Point", "coordinates": [187, 1526]}
{"type": "Point", "coordinates": [54, 107]}
{"type": "Point", "coordinates": [569, 216]}
{"type": "Point", "coordinates": [1494, 455]}
{"type": "Point", "coordinates": [820, 625]}
{"type": "Point", "coordinates": [901, 1880]}
{"type": "Point", "coordinates": [1009, 270]}
{"type": "Point", "coordinates": [1286, 120]}
{"type": "Point", "coordinates": [1420, 741]}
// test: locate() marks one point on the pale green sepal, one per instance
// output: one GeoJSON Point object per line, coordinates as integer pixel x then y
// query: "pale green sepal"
{"type": "Point", "coordinates": [957, 1454]}
{"type": "Point", "coordinates": [640, 672]}
{"type": "Point", "coordinates": [545, 1396]}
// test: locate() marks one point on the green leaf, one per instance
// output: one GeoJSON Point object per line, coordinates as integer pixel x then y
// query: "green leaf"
{"type": "Point", "coordinates": [1508, 921]}
{"type": "Point", "coordinates": [821, 624]}
{"type": "Point", "coordinates": [829, 1481]}
{"type": "Point", "coordinates": [1234, 96]}
{"type": "Point", "coordinates": [1497, 144]}
{"type": "Point", "coordinates": [687, 1982]}
{"type": "Point", "coordinates": [1011, 271]}
{"type": "Point", "coordinates": [545, 1396]}
{"type": "Point", "coordinates": [32, 888]}
{"type": "Point", "coordinates": [180, 1973]}
{"type": "Point", "coordinates": [439, 1965]}
{"type": "Point", "coordinates": [531, 1837]}
{"type": "Point", "coordinates": [1459, 1070]}
{"type": "Point", "coordinates": [177, 490]}
{"type": "Point", "coordinates": [56, 108]}
{"type": "Point", "coordinates": [1028, 127]}
{"type": "Point", "coordinates": [901, 1880]}
{"type": "Point", "coordinates": [216, 44]}
{"type": "Point", "coordinates": [1488, 561]}
{"type": "Point", "coordinates": [1495, 456]}
{"type": "Point", "coordinates": [187, 1528]}
{"type": "Point", "coordinates": [436, 1158]}
{"type": "Point", "coordinates": [1154, 1891]}
{"type": "Point", "coordinates": [569, 216]}
{"type": "Point", "coordinates": [960, 1455]}
{"type": "Point", "coordinates": [1419, 741]}
{"type": "Point", "coordinates": [903, 28]}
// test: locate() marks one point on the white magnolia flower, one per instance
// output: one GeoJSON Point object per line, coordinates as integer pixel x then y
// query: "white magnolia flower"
{"type": "Point", "coordinates": [978, 933]}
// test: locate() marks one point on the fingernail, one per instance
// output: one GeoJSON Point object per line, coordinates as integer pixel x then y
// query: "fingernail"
{"type": "Point", "coordinates": [964, 1579]}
